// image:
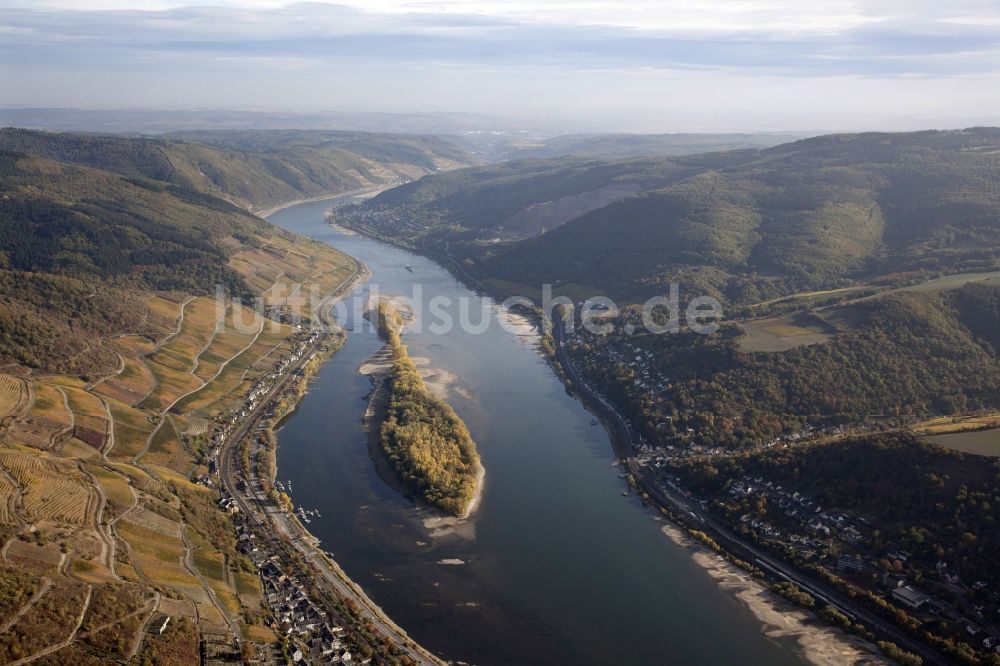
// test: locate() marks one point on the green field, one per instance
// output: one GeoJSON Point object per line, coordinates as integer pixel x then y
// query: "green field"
{"type": "Point", "coordinates": [978, 442]}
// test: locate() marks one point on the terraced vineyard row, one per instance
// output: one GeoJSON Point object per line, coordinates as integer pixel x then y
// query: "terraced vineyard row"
{"type": "Point", "coordinates": [140, 433]}
{"type": "Point", "coordinates": [12, 395]}
{"type": "Point", "coordinates": [52, 492]}
{"type": "Point", "coordinates": [8, 498]}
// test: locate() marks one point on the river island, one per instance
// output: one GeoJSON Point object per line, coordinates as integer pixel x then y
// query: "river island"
{"type": "Point", "coordinates": [426, 443]}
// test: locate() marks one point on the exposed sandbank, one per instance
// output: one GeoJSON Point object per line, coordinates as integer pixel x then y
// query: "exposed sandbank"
{"type": "Point", "coordinates": [819, 644]}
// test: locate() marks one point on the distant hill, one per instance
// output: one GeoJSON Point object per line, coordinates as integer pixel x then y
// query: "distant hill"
{"type": "Point", "coordinates": [746, 224]}
{"type": "Point", "coordinates": [252, 169]}
{"type": "Point", "coordinates": [623, 146]}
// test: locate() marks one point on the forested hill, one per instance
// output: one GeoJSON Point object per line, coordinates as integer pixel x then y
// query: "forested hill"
{"type": "Point", "coordinates": [86, 239]}
{"type": "Point", "coordinates": [252, 169]}
{"type": "Point", "coordinates": [76, 243]}
{"type": "Point", "coordinates": [122, 375]}
{"type": "Point", "coordinates": [906, 357]}
{"type": "Point", "coordinates": [747, 224]}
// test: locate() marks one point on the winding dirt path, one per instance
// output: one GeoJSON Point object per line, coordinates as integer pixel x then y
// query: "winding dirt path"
{"type": "Point", "coordinates": [137, 641]}
{"type": "Point", "coordinates": [114, 521]}
{"type": "Point", "coordinates": [67, 641]}
{"type": "Point", "coordinates": [189, 565]}
{"type": "Point", "coordinates": [107, 539]}
{"type": "Point", "coordinates": [54, 437]}
{"type": "Point", "coordinates": [46, 586]}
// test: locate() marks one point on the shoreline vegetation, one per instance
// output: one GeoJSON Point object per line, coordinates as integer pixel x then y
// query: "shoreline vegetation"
{"type": "Point", "coordinates": [425, 442]}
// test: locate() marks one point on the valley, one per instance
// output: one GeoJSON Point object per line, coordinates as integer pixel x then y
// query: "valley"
{"type": "Point", "coordinates": [499, 334]}
{"type": "Point", "coordinates": [122, 429]}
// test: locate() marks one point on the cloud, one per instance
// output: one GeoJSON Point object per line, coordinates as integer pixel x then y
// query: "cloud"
{"type": "Point", "coordinates": [813, 40]}
{"type": "Point", "coordinates": [447, 50]}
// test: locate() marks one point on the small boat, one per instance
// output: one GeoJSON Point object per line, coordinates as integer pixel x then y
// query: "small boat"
{"type": "Point", "coordinates": [593, 421]}
{"type": "Point", "coordinates": [624, 493]}
{"type": "Point", "coordinates": [409, 268]}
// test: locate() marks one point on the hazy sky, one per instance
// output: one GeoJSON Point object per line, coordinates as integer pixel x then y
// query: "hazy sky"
{"type": "Point", "coordinates": [641, 64]}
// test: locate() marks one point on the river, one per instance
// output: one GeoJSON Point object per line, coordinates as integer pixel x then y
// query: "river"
{"type": "Point", "coordinates": [556, 566]}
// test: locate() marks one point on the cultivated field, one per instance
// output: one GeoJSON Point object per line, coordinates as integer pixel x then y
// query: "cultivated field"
{"type": "Point", "coordinates": [171, 384]}
{"type": "Point", "coordinates": [121, 445]}
{"type": "Point", "coordinates": [46, 420]}
{"type": "Point", "coordinates": [166, 448]}
{"type": "Point", "coordinates": [979, 442]}
{"type": "Point", "coordinates": [56, 492]}
{"type": "Point", "coordinates": [952, 424]}
{"type": "Point", "coordinates": [116, 488]}
{"type": "Point", "coordinates": [131, 385]}
{"type": "Point", "coordinates": [90, 417]}
{"type": "Point", "coordinates": [132, 430]}
{"type": "Point", "coordinates": [44, 559]}
{"type": "Point", "coordinates": [163, 311]}
{"type": "Point", "coordinates": [239, 331]}
{"type": "Point", "coordinates": [289, 274]}
{"type": "Point", "coordinates": [779, 334]}
{"type": "Point", "coordinates": [13, 395]}
{"type": "Point", "coordinates": [10, 495]}
{"type": "Point", "coordinates": [946, 283]}
{"type": "Point", "coordinates": [135, 345]}
{"type": "Point", "coordinates": [160, 558]}
{"type": "Point", "coordinates": [237, 376]}
{"type": "Point", "coordinates": [807, 298]}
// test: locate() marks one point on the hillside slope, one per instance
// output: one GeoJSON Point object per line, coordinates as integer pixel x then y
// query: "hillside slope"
{"type": "Point", "coordinates": [907, 356]}
{"type": "Point", "coordinates": [746, 225]}
{"type": "Point", "coordinates": [253, 170]}
{"type": "Point", "coordinates": [121, 373]}
{"type": "Point", "coordinates": [80, 243]}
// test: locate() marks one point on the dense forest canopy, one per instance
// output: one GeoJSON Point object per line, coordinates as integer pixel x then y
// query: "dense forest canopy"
{"type": "Point", "coordinates": [909, 355]}
{"type": "Point", "coordinates": [747, 224]}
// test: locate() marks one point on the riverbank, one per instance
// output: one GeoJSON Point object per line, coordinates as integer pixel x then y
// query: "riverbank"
{"type": "Point", "coordinates": [819, 644]}
{"type": "Point", "coordinates": [280, 527]}
{"type": "Point", "coordinates": [267, 212]}
{"type": "Point", "coordinates": [686, 513]}
{"type": "Point", "coordinates": [285, 405]}
{"type": "Point", "coordinates": [526, 591]}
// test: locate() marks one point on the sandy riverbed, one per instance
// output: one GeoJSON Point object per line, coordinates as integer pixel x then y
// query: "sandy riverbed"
{"type": "Point", "coordinates": [442, 525]}
{"type": "Point", "coordinates": [819, 644]}
{"type": "Point", "coordinates": [518, 325]}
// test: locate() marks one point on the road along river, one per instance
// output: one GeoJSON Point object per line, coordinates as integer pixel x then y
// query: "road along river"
{"type": "Point", "coordinates": [556, 566]}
